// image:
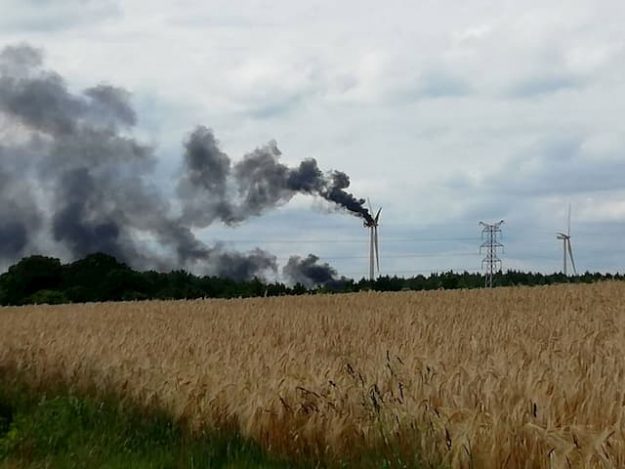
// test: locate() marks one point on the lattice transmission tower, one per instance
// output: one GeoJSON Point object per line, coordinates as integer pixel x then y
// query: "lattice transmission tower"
{"type": "Point", "coordinates": [490, 241]}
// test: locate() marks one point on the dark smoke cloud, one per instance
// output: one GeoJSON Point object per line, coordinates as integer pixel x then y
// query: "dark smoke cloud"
{"type": "Point", "coordinates": [74, 181]}
{"type": "Point", "coordinates": [203, 188]}
{"type": "Point", "coordinates": [19, 214]}
{"type": "Point", "coordinates": [214, 188]}
{"type": "Point", "coordinates": [237, 265]}
{"type": "Point", "coordinates": [69, 156]}
{"type": "Point", "coordinates": [309, 272]}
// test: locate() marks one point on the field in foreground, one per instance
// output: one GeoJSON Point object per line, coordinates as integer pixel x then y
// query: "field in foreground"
{"type": "Point", "coordinates": [54, 429]}
{"type": "Point", "coordinates": [521, 377]}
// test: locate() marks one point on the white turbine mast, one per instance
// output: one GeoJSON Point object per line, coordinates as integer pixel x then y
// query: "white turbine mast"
{"type": "Point", "coordinates": [374, 253]}
{"type": "Point", "coordinates": [566, 246]}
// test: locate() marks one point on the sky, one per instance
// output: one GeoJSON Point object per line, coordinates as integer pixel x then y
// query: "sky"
{"type": "Point", "coordinates": [443, 113]}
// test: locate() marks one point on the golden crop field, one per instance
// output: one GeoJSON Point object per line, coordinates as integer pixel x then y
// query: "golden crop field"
{"type": "Point", "coordinates": [514, 377]}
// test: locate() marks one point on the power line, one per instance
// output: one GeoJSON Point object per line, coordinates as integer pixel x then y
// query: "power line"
{"type": "Point", "coordinates": [344, 240]}
{"type": "Point", "coordinates": [422, 255]}
{"type": "Point", "coordinates": [423, 271]}
{"type": "Point", "coordinates": [401, 256]}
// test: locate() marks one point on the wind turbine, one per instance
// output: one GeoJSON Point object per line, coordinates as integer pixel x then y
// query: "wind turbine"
{"type": "Point", "coordinates": [374, 254]}
{"type": "Point", "coordinates": [566, 245]}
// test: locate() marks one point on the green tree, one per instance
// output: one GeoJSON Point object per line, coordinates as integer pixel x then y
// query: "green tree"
{"type": "Point", "coordinates": [97, 277]}
{"type": "Point", "coordinates": [28, 276]}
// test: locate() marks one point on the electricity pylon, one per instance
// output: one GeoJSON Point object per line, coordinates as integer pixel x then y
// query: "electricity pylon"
{"type": "Point", "coordinates": [491, 263]}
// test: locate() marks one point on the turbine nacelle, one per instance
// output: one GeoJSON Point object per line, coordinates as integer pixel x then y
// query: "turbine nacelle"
{"type": "Point", "coordinates": [372, 221]}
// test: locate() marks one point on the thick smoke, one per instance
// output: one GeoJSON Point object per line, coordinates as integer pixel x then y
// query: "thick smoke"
{"type": "Point", "coordinates": [309, 272]}
{"type": "Point", "coordinates": [74, 181]}
{"type": "Point", "coordinates": [18, 214]}
{"type": "Point", "coordinates": [214, 188]}
{"type": "Point", "coordinates": [69, 156]}
{"type": "Point", "coordinates": [203, 187]}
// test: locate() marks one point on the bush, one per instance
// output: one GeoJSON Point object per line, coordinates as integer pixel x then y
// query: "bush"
{"type": "Point", "coordinates": [47, 297]}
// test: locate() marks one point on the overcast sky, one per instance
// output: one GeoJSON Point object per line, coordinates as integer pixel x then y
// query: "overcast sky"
{"type": "Point", "coordinates": [445, 113]}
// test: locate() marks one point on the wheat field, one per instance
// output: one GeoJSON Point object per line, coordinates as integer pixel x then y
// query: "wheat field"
{"type": "Point", "coordinates": [510, 377]}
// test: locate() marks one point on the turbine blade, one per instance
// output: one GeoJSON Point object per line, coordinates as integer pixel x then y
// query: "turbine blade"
{"type": "Point", "coordinates": [571, 256]}
{"type": "Point", "coordinates": [369, 203]}
{"type": "Point", "coordinates": [569, 225]}
{"type": "Point", "coordinates": [377, 252]}
{"type": "Point", "coordinates": [377, 216]}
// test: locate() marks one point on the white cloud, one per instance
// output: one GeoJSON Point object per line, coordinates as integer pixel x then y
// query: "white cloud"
{"type": "Point", "coordinates": [52, 15]}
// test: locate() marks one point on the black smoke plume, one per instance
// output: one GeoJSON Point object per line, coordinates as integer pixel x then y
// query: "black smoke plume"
{"type": "Point", "coordinates": [310, 273]}
{"type": "Point", "coordinates": [74, 181]}
{"type": "Point", "coordinates": [213, 188]}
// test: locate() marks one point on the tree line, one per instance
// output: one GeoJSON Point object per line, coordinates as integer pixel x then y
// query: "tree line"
{"type": "Point", "coordinates": [101, 277]}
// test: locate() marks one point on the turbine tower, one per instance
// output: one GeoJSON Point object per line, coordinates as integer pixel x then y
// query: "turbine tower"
{"type": "Point", "coordinates": [374, 254]}
{"type": "Point", "coordinates": [566, 246]}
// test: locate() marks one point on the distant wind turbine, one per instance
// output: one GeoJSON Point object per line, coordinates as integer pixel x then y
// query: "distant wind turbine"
{"type": "Point", "coordinates": [566, 246]}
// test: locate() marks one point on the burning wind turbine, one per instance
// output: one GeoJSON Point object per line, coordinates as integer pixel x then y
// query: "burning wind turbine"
{"type": "Point", "coordinates": [372, 223]}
